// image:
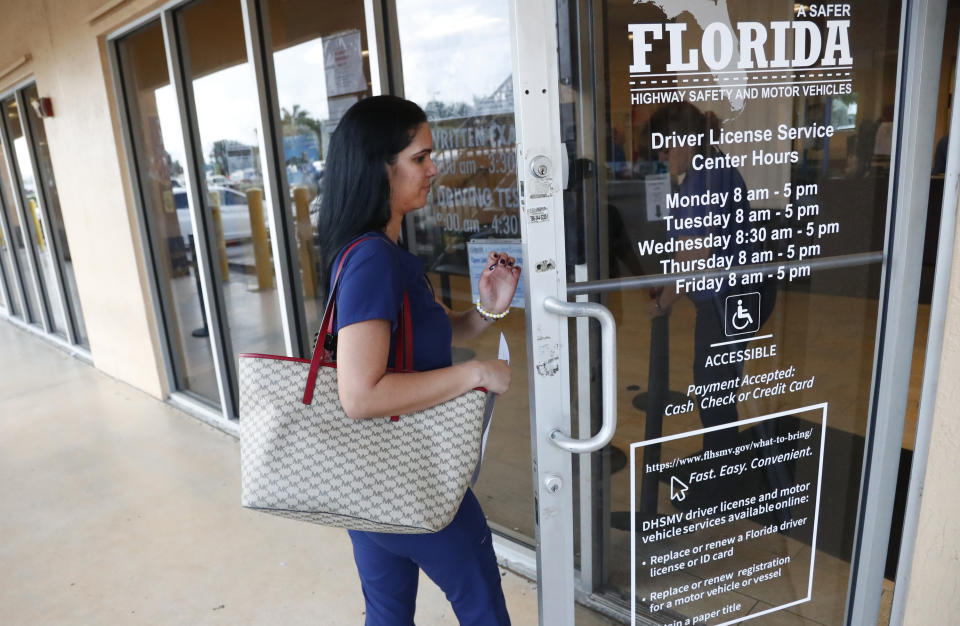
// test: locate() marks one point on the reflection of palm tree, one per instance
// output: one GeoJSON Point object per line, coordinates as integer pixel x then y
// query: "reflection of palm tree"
{"type": "Point", "coordinates": [294, 117]}
{"type": "Point", "coordinates": [297, 117]}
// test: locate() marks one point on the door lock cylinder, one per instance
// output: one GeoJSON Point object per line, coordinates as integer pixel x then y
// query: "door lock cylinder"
{"type": "Point", "coordinates": [553, 483]}
{"type": "Point", "coordinates": [541, 166]}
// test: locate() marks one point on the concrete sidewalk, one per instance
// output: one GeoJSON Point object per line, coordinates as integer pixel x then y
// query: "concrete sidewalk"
{"type": "Point", "coordinates": [116, 508]}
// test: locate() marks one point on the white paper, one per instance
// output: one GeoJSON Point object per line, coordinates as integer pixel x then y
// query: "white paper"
{"type": "Point", "coordinates": [343, 63]}
{"type": "Point", "coordinates": [657, 190]}
{"type": "Point", "coordinates": [504, 354]}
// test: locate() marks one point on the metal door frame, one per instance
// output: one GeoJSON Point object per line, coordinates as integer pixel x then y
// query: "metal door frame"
{"type": "Point", "coordinates": [5, 300]}
{"type": "Point", "coordinates": [26, 127]}
{"type": "Point", "coordinates": [931, 372]}
{"type": "Point", "coordinates": [535, 58]}
{"type": "Point", "coordinates": [42, 324]}
{"type": "Point", "coordinates": [536, 101]}
{"type": "Point", "coordinates": [260, 56]}
{"type": "Point", "coordinates": [922, 26]}
{"type": "Point", "coordinates": [16, 290]}
{"type": "Point", "coordinates": [382, 15]}
{"type": "Point", "coordinates": [43, 320]}
{"type": "Point", "coordinates": [205, 246]}
{"type": "Point", "coordinates": [139, 215]}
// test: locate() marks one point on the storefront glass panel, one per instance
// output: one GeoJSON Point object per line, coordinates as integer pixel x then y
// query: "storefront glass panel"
{"type": "Point", "coordinates": [6, 259]}
{"type": "Point", "coordinates": [12, 242]}
{"type": "Point", "coordinates": [321, 64]}
{"type": "Point", "coordinates": [35, 218]}
{"type": "Point", "coordinates": [159, 155]}
{"type": "Point", "coordinates": [456, 65]}
{"type": "Point", "coordinates": [17, 243]}
{"type": "Point", "coordinates": [736, 198]}
{"type": "Point", "coordinates": [51, 204]}
{"type": "Point", "coordinates": [226, 108]}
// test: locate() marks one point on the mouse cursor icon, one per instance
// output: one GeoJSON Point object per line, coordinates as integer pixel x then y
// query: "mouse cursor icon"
{"type": "Point", "coordinates": [678, 490]}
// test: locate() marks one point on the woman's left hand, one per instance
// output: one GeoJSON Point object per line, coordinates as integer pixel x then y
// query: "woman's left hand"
{"type": "Point", "coordinates": [498, 282]}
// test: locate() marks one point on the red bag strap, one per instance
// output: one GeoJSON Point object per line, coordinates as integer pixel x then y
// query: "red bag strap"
{"type": "Point", "coordinates": [403, 348]}
{"type": "Point", "coordinates": [403, 355]}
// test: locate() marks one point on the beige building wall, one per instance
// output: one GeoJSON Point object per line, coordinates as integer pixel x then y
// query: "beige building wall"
{"type": "Point", "coordinates": [66, 57]}
{"type": "Point", "coordinates": [934, 593]}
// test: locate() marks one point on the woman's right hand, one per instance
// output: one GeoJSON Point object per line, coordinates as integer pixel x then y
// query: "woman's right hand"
{"type": "Point", "coordinates": [494, 375]}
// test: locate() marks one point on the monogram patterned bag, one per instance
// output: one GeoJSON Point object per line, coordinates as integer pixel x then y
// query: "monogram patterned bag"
{"type": "Point", "coordinates": [302, 457]}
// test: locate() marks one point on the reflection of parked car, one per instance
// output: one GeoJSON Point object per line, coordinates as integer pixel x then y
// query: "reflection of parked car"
{"type": "Point", "coordinates": [234, 213]}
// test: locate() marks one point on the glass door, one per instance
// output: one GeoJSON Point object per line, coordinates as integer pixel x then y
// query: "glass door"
{"type": "Point", "coordinates": [226, 121]}
{"type": "Point", "coordinates": [33, 249]}
{"type": "Point", "coordinates": [7, 298]}
{"type": "Point", "coordinates": [156, 140]}
{"type": "Point", "coordinates": [220, 94]}
{"type": "Point", "coordinates": [30, 201]}
{"type": "Point", "coordinates": [58, 255]}
{"type": "Point", "coordinates": [11, 248]}
{"type": "Point", "coordinates": [327, 42]}
{"type": "Point", "coordinates": [472, 208]}
{"type": "Point", "coordinates": [712, 188]}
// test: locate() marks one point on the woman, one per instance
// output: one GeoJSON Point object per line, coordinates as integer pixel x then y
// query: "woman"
{"type": "Point", "coordinates": [378, 170]}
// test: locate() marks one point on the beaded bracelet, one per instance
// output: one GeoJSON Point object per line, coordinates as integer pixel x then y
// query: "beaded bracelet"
{"type": "Point", "coordinates": [486, 316]}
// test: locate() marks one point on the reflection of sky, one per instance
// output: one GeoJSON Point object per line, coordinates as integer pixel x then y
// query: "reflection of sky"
{"type": "Point", "coordinates": [453, 51]}
{"type": "Point", "coordinates": [301, 79]}
{"type": "Point", "coordinates": [450, 53]}
{"type": "Point", "coordinates": [26, 167]}
{"type": "Point", "coordinates": [226, 109]}
{"type": "Point", "coordinates": [170, 123]}
{"type": "Point", "coordinates": [227, 102]}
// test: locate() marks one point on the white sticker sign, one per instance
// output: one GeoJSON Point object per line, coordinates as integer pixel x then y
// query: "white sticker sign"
{"type": "Point", "coordinates": [343, 63]}
{"type": "Point", "coordinates": [727, 539]}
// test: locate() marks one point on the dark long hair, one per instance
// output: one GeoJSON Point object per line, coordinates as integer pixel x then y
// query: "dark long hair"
{"type": "Point", "coordinates": [356, 190]}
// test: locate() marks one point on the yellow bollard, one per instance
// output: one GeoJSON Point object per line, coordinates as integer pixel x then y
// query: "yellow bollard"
{"type": "Point", "coordinates": [218, 231]}
{"type": "Point", "coordinates": [36, 222]}
{"type": "Point", "coordinates": [305, 241]}
{"type": "Point", "coordinates": [261, 246]}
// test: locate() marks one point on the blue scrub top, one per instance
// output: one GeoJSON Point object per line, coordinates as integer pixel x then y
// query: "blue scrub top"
{"type": "Point", "coordinates": [372, 282]}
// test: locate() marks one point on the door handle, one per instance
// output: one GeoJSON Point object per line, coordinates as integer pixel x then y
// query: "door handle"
{"type": "Point", "coordinates": [608, 368]}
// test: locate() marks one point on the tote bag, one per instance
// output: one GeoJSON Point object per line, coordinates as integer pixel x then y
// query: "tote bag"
{"type": "Point", "coordinates": [302, 457]}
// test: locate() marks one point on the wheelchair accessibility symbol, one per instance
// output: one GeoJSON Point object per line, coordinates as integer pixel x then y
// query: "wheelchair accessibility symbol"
{"type": "Point", "coordinates": [742, 314]}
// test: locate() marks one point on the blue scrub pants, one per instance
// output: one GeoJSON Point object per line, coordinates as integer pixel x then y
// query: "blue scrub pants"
{"type": "Point", "coordinates": [459, 558]}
